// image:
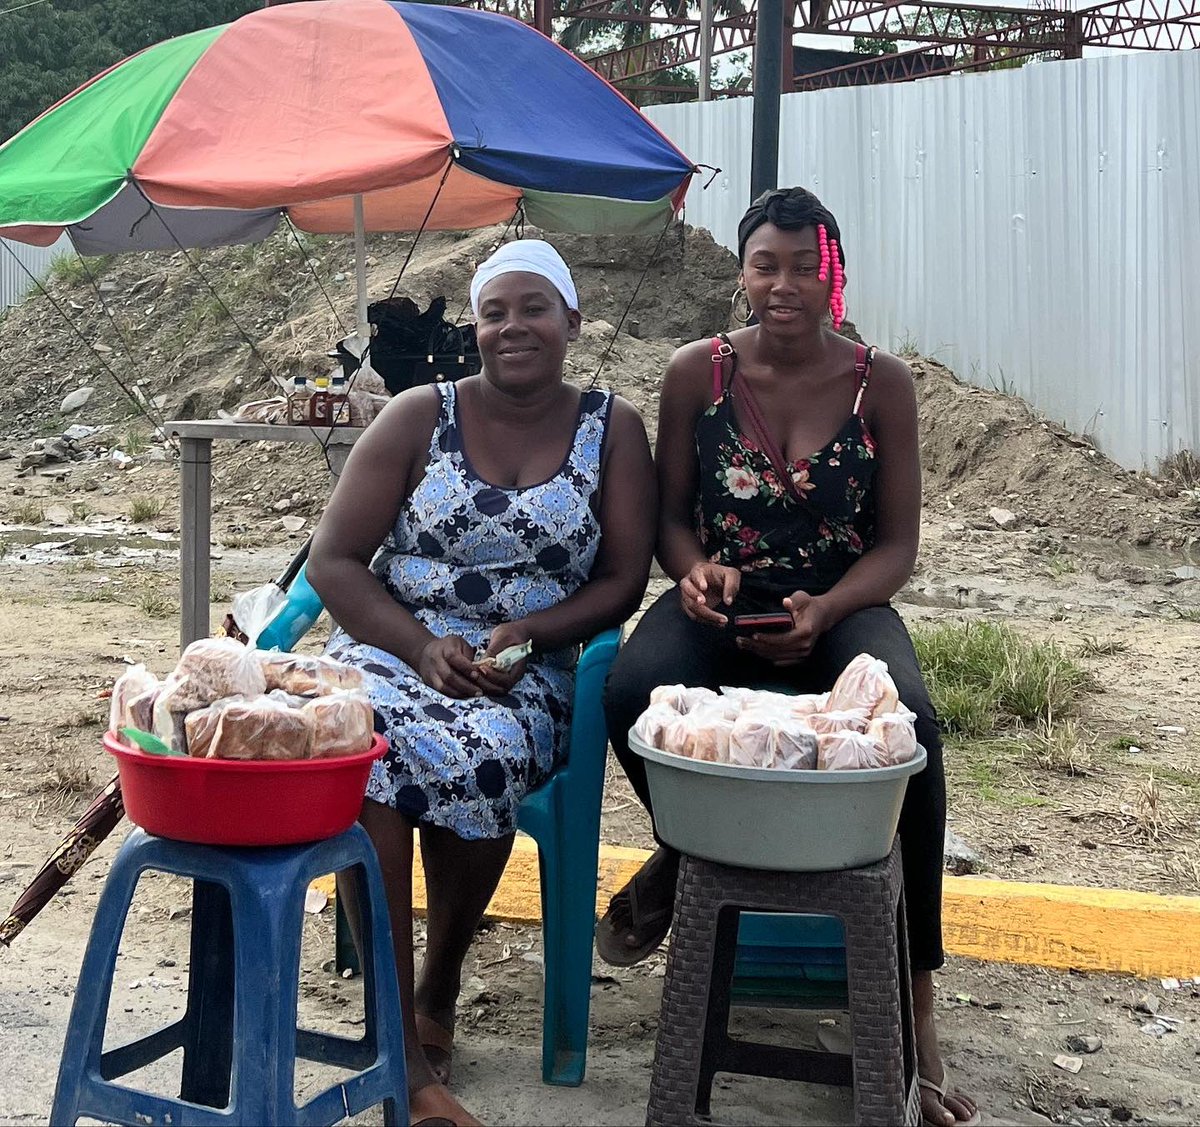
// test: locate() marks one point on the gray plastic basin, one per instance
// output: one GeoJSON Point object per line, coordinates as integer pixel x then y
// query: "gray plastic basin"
{"type": "Point", "coordinates": [769, 818]}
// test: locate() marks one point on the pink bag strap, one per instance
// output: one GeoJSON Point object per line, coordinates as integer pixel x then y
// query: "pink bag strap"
{"type": "Point", "coordinates": [722, 352]}
{"type": "Point", "coordinates": [864, 357]}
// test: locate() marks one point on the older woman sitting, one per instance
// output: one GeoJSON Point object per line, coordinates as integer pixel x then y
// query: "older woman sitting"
{"type": "Point", "coordinates": [507, 510]}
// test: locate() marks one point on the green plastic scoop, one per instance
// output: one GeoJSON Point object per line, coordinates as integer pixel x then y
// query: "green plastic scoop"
{"type": "Point", "coordinates": [149, 743]}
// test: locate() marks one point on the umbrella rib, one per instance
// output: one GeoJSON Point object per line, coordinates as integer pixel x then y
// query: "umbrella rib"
{"type": "Point", "coordinates": [228, 312]}
{"type": "Point", "coordinates": [633, 297]}
{"type": "Point", "coordinates": [37, 282]}
{"type": "Point", "coordinates": [147, 408]}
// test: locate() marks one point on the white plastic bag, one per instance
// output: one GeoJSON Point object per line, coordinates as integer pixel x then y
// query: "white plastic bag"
{"type": "Point", "coordinates": [849, 751]}
{"type": "Point", "coordinates": [865, 683]}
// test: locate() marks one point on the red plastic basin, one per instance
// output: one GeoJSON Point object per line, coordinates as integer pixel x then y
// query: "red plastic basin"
{"type": "Point", "coordinates": [242, 802]}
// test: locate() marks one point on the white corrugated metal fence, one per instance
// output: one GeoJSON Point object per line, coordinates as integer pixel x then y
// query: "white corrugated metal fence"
{"type": "Point", "coordinates": [1038, 229]}
{"type": "Point", "coordinates": [14, 282]}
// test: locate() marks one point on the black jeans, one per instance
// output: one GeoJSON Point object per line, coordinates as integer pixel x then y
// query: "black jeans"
{"type": "Point", "coordinates": [668, 648]}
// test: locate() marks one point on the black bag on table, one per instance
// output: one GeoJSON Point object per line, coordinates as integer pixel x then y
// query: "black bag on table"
{"type": "Point", "coordinates": [410, 348]}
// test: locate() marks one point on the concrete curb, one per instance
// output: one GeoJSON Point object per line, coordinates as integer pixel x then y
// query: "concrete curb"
{"type": "Point", "coordinates": [1049, 925]}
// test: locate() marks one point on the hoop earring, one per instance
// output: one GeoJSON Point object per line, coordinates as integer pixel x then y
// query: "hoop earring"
{"type": "Point", "coordinates": [734, 313]}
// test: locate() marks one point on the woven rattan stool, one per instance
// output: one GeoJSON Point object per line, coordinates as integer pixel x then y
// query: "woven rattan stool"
{"type": "Point", "coordinates": [693, 1040]}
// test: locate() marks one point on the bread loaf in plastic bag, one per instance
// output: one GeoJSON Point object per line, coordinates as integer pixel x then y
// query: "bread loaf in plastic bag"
{"type": "Point", "coordinates": [682, 698]}
{"type": "Point", "coordinates": [855, 719]}
{"type": "Point", "coordinates": [135, 682]}
{"type": "Point", "coordinates": [849, 751]}
{"type": "Point", "coordinates": [896, 732]}
{"type": "Point", "coordinates": [342, 723]}
{"type": "Point", "coordinates": [305, 676]}
{"type": "Point", "coordinates": [865, 683]}
{"type": "Point", "coordinates": [653, 722]}
{"type": "Point", "coordinates": [211, 669]}
{"type": "Point", "coordinates": [261, 728]}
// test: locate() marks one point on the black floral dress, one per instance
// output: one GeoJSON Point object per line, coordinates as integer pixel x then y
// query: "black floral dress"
{"type": "Point", "coordinates": [747, 519]}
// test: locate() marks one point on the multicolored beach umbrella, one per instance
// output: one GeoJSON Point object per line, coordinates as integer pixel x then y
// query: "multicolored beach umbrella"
{"type": "Point", "coordinates": [207, 139]}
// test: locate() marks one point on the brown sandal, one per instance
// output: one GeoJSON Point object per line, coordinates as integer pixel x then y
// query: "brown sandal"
{"type": "Point", "coordinates": [437, 1042]}
{"type": "Point", "coordinates": [628, 918]}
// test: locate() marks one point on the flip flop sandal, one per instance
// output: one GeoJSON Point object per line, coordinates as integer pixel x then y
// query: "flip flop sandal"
{"type": "Point", "coordinates": [438, 1044]}
{"type": "Point", "coordinates": [649, 928]}
{"type": "Point", "coordinates": [943, 1090]}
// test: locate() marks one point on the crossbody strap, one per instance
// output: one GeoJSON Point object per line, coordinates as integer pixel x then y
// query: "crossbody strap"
{"type": "Point", "coordinates": [754, 417]}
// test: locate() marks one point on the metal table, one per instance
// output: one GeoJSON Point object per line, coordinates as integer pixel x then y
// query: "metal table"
{"type": "Point", "coordinates": [195, 498]}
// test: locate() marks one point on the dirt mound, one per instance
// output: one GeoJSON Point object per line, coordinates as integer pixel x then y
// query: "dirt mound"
{"type": "Point", "coordinates": [983, 450]}
{"type": "Point", "coordinates": [189, 338]}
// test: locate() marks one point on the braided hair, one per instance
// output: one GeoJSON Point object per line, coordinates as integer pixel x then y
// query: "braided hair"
{"type": "Point", "coordinates": [792, 209]}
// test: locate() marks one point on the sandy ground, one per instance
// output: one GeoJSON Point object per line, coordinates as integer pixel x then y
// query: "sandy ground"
{"type": "Point", "coordinates": [1101, 560]}
{"type": "Point", "coordinates": [70, 617]}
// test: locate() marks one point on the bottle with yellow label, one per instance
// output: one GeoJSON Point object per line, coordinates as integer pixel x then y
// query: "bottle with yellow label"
{"type": "Point", "coordinates": [318, 402]}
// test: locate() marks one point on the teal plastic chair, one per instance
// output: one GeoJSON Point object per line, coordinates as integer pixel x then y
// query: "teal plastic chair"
{"type": "Point", "coordinates": [563, 817]}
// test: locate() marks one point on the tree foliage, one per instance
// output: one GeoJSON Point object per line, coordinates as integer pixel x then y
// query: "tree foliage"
{"type": "Point", "coordinates": [47, 50]}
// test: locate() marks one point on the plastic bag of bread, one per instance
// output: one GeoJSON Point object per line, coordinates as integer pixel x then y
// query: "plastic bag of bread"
{"type": "Point", "coordinates": [342, 723]}
{"type": "Point", "coordinates": [261, 728]}
{"type": "Point", "coordinates": [305, 676]}
{"type": "Point", "coordinates": [653, 722]}
{"type": "Point", "coordinates": [865, 683]}
{"type": "Point", "coordinates": [135, 682]}
{"type": "Point", "coordinates": [212, 668]}
{"type": "Point", "coordinates": [806, 704]}
{"type": "Point", "coordinates": [680, 735]}
{"type": "Point", "coordinates": [794, 747]}
{"type": "Point", "coordinates": [141, 709]}
{"type": "Point", "coordinates": [201, 726]}
{"type": "Point", "coordinates": [750, 740]}
{"type": "Point", "coordinates": [174, 700]}
{"type": "Point", "coordinates": [896, 732]}
{"type": "Point", "coordinates": [856, 719]}
{"type": "Point", "coordinates": [682, 698]}
{"type": "Point", "coordinates": [714, 731]}
{"type": "Point", "coordinates": [756, 698]}
{"type": "Point", "coordinates": [849, 751]}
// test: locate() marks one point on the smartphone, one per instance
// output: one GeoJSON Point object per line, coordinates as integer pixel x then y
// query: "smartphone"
{"type": "Point", "coordinates": [774, 622]}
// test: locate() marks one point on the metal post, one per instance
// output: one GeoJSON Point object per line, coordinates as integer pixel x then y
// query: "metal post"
{"type": "Point", "coordinates": [195, 508]}
{"type": "Point", "coordinates": [768, 71]}
{"type": "Point", "coordinates": [362, 326]}
{"type": "Point", "coordinates": [706, 22]}
{"type": "Point", "coordinates": [543, 17]}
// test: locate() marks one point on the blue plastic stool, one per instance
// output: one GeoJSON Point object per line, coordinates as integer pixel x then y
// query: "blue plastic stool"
{"type": "Point", "coordinates": [563, 817]}
{"type": "Point", "coordinates": [239, 1034]}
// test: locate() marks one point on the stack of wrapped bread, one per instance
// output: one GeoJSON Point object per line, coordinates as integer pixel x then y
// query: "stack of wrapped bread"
{"type": "Point", "coordinates": [224, 701]}
{"type": "Point", "coordinates": [859, 723]}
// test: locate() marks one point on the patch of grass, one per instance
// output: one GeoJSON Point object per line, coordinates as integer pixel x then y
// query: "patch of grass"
{"type": "Point", "coordinates": [1183, 468]}
{"type": "Point", "coordinates": [906, 347]}
{"type": "Point", "coordinates": [135, 442]}
{"type": "Point", "coordinates": [1060, 564]}
{"type": "Point", "coordinates": [142, 509]}
{"type": "Point", "coordinates": [81, 510]}
{"type": "Point", "coordinates": [69, 268]}
{"type": "Point", "coordinates": [220, 589]}
{"type": "Point", "coordinates": [984, 676]}
{"type": "Point", "coordinates": [1188, 780]}
{"type": "Point", "coordinates": [1091, 646]}
{"type": "Point", "coordinates": [1123, 743]}
{"type": "Point", "coordinates": [1058, 747]}
{"type": "Point", "coordinates": [244, 540]}
{"type": "Point", "coordinates": [1187, 614]}
{"type": "Point", "coordinates": [77, 719]}
{"type": "Point", "coordinates": [155, 604]}
{"type": "Point", "coordinates": [28, 512]}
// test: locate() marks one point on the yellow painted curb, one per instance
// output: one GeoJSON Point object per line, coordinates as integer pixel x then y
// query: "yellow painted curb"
{"type": "Point", "coordinates": [1096, 929]}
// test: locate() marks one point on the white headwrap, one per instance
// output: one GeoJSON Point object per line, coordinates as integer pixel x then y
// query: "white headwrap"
{"type": "Point", "coordinates": [526, 256]}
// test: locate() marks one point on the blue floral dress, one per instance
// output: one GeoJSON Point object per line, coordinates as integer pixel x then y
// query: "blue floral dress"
{"type": "Point", "coordinates": [465, 556]}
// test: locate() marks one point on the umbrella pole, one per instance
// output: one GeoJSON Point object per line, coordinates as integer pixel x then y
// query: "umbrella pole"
{"type": "Point", "coordinates": [362, 326]}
